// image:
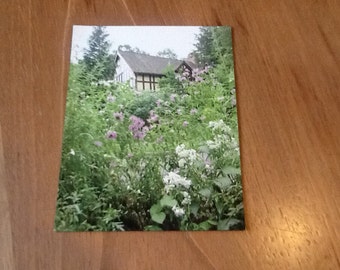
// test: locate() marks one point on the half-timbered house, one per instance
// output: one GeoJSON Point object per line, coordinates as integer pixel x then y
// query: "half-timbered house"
{"type": "Point", "coordinates": [143, 71]}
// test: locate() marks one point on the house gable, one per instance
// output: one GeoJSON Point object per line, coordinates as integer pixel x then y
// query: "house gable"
{"type": "Point", "coordinates": [124, 73]}
{"type": "Point", "coordinates": [144, 71]}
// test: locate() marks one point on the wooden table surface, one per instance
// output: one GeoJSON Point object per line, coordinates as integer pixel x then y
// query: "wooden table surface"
{"type": "Point", "coordinates": [287, 65]}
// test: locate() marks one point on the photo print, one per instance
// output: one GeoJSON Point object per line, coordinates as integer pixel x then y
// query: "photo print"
{"type": "Point", "coordinates": [150, 138]}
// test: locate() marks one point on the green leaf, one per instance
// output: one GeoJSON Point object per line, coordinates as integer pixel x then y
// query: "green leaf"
{"type": "Point", "coordinates": [206, 192]}
{"type": "Point", "coordinates": [205, 225]}
{"type": "Point", "coordinates": [231, 170]}
{"type": "Point", "coordinates": [156, 213]}
{"type": "Point", "coordinates": [168, 201]}
{"type": "Point", "coordinates": [219, 206]}
{"type": "Point", "coordinates": [156, 208]}
{"type": "Point", "coordinates": [204, 149]}
{"type": "Point", "coordinates": [158, 217]}
{"type": "Point", "coordinates": [222, 182]}
{"type": "Point", "coordinates": [225, 224]}
{"type": "Point", "coordinates": [152, 228]}
{"type": "Point", "coordinates": [194, 208]}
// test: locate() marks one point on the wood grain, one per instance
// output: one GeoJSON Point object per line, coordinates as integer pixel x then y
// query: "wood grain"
{"type": "Point", "coordinates": [287, 63]}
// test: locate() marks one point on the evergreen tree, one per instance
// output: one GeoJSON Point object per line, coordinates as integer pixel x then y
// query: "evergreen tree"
{"type": "Point", "coordinates": [213, 43]}
{"type": "Point", "coordinates": [98, 62]}
{"type": "Point", "coordinates": [205, 53]}
{"type": "Point", "coordinates": [214, 47]}
{"type": "Point", "coordinates": [222, 44]}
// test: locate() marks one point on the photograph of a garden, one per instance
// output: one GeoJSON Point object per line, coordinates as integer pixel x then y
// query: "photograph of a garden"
{"type": "Point", "coordinates": [150, 138]}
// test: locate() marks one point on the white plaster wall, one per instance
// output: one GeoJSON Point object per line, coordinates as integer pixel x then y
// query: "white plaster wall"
{"type": "Point", "coordinates": [128, 74]}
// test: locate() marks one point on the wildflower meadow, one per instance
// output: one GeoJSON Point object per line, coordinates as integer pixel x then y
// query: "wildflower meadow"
{"type": "Point", "coordinates": [162, 160]}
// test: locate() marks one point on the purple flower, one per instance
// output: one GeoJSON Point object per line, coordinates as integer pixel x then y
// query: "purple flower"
{"type": "Point", "coordinates": [153, 118]}
{"type": "Point", "coordinates": [112, 135]}
{"type": "Point", "coordinates": [137, 127]}
{"type": "Point", "coordinates": [206, 69]}
{"type": "Point", "coordinates": [185, 123]}
{"type": "Point", "coordinates": [159, 102]}
{"type": "Point", "coordinates": [139, 135]}
{"type": "Point", "coordinates": [193, 111]}
{"type": "Point", "coordinates": [198, 79]}
{"type": "Point", "coordinates": [98, 143]}
{"type": "Point", "coordinates": [172, 97]}
{"type": "Point", "coordinates": [137, 123]}
{"type": "Point", "coordinates": [118, 116]}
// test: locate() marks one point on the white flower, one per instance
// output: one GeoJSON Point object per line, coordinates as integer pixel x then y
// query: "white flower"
{"type": "Point", "coordinates": [213, 144]}
{"type": "Point", "coordinates": [172, 180]}
{"type": "Point", "coordinates": [219, 125]}
{"type": "Point", "coordinates": [189, 155]}
{"type": "Point", "coordinates": [180, 148]}
{"type": "Point", "coordinates": [234, 143]}
{"type": "Point", "coordinates": [187, 198]}
{"type": "Point", "coordinates": [181, 163]}
{"type": "Point", "coordinates": [178, 211]}
{"type": "Point", "coordinates": [72, 152]}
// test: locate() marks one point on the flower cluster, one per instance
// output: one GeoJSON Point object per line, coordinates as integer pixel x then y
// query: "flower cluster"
{"type": "Point", "coordinates": [159, 102]}
{"type": "Point", "coordinates": [225, 139]}
{"type": "Point", "coordinates": [186, 198]}
{"type": "Point", "coordinates": [172, 180]}
{"type": "Point", "coordinates": [118, 116]}
{"type": "Point", "coordinates": [185, 75]}
{"type": "Point", "coordinates": [111, 135]}
{"type": "Point", "coordinates": [153, 117]}
{"type": "Point", "coordinates": [219, 125]}
{"type": "Point", "coordinates": [173, 97]}
{"type": "Point", "coordinates": [186, 156]}
{"type": "Point", "coordinates": [196, 75]}
{"type": "Point", "coordinates": [138, 127]}
{"type": "Point", "coordinates": [193, 111]}
{"type": "Point", "coordinates": [178, 211]}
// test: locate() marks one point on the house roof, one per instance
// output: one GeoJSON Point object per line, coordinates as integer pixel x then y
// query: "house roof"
{"type": "Point", "coordinates": [144, 63]}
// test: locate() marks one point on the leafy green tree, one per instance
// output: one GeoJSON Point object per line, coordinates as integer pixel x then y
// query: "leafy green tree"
{"type": "Point", "coordinates": [205, 51]}
{"type": "Point", "coordinates": [222, 44]}
{"type": "Point", "coordinates": [169, 82]}
{"type": "Point", "coordinates": [167, 53]}
{"type": "Point", "coordinates": [98, 62]}
{"type": "Point", "coordinates": [214, 47]}
{"type": "Point", "coordinates": [213, 43]}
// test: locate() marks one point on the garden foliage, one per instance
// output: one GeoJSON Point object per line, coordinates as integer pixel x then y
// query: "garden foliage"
{"type": "Point", "coordinates": [163, 160]}
{"type": "Point", "coordinates": [150, 161]}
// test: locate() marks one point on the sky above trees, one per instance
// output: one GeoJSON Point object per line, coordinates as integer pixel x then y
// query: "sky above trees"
{"type": "Point", "coordinates": [151, 39]}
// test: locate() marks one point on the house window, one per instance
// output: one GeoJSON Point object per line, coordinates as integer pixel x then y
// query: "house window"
{"type": "Point", "coordinates": [146, 82]}
{"type": "Point", "coordinates": [119, 77]}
